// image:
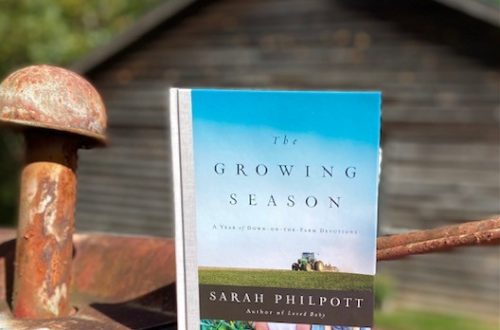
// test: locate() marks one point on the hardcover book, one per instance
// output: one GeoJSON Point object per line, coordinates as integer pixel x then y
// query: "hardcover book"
{"type": "Point", "coordinates": [275, 208]}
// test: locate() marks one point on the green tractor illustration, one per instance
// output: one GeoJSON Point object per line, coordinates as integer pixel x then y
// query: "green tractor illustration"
{"type": "Point", "coordinates": [309, 263]}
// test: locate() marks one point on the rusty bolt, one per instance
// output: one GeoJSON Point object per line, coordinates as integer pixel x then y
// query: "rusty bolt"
{"type": "Point", "coordinates": [58, 111]}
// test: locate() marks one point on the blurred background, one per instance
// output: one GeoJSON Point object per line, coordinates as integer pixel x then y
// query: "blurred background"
{"type": "Point", "coordinates": [436, 62]}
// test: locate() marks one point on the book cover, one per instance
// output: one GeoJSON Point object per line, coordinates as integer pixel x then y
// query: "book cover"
{"type": "Point", "coordinates": [275, 208]}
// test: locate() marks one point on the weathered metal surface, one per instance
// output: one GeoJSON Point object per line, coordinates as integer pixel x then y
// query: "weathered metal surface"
{"type": "Point", "coordinates": [118, 282]}
{"type": "Point", "coordinates": [59, 112]}
{"type": "Point", "coordinates": [45, 228]}
{"type": "Point", "coordinates": [102, 259]}
{"type": "Point", "coordinates": [54, 98]}
{"type": "Point", "coordinates": [483, 232]}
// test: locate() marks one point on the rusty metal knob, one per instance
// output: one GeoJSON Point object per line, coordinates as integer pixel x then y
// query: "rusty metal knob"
{"type": "Point", "coordinates": [58, 111]}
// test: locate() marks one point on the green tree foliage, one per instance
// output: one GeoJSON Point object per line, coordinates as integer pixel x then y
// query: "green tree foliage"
{"type": "Point", "coordinates": [53, 32]}
{"type": "Point", "coordinates": [58, 31]}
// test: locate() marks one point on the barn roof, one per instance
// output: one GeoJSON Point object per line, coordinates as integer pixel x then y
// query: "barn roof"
{"type": "Point", "coordinates": [485, 10]}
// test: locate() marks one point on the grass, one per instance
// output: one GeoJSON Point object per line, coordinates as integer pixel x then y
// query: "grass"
{"type": "Point", "coordinates": [285, 279]}
{"type": "Point", "coordinates": [421, 320]}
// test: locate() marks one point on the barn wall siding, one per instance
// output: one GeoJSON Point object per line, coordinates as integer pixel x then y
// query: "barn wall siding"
{"type": "Point", "coordinates": [440, 120]}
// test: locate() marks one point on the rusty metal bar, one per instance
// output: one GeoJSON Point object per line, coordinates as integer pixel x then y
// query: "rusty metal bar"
{"type": "Point", "coordinates": [45, 228]}
{"type": "Point", "coordinates": [482, 232]}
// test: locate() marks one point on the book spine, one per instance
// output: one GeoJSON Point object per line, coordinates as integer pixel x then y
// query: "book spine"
{"type": "Point", "coordinates": [184, 207]}
{"type": "Point", "coordinates": [177, 194]}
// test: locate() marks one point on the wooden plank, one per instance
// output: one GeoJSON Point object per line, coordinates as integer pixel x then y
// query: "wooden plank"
{"type": "Point", "coordinates": [329, 57]}
{"type": "Point", "coordinates": [418, 190]}
{"type": "Point", "coordinates": [445, 203]}
{"type": "Point", "coordinates": [412, 173]}
{"type": "Point", "coordinates": [436, 115]}
{"type": "Point", "coordinates": [119, 211]}
{"type": "Point", "coordinates": [398, 219]}
{"type": "Point", "coordinates": [119, 193]}
{"type": "Point", "coordinates": [442, 133]}
{"type": "Point", "coordinates": [131, 202]}
{"type": "Point", "coordinates": [431, 210]}
{"type": "Point", "coordinates": [158, 174]}
{"type": "Point", "coordinates": [105, 183]}
{"type": "Point", "coordinates": [123, 150]}
{"type": "Point", "coordinates": [123, 224]}
{"type": "Point", "coordinates": [476, 153]}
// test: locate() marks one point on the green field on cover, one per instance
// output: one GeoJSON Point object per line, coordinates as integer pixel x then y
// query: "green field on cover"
{"type": "Point", "coordinates": [285, 279]}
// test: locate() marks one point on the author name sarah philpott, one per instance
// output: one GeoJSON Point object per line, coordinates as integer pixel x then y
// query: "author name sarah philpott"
{"type": "Point", "coordinates": [288, 299]}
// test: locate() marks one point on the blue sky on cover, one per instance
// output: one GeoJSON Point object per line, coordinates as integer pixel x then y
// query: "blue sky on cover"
{"type": "Point", "coordinates": [339, 129]}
